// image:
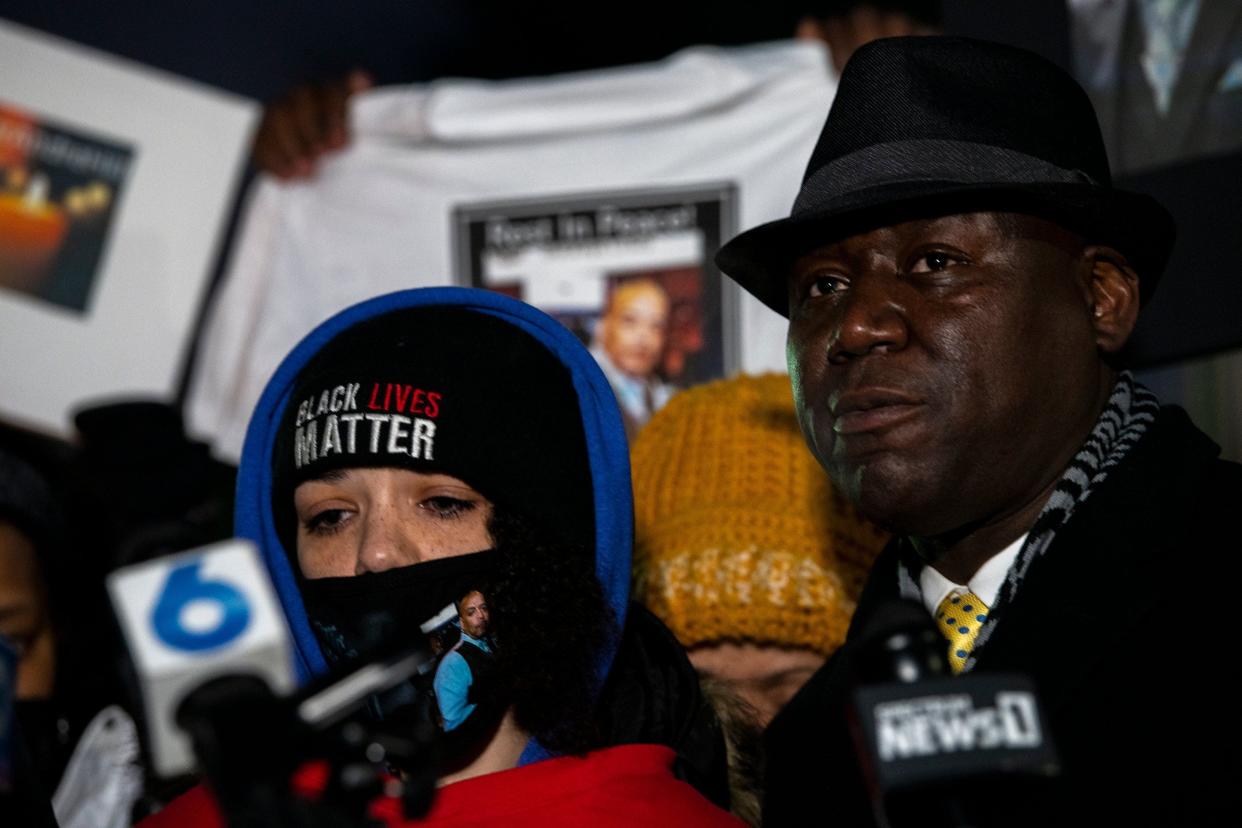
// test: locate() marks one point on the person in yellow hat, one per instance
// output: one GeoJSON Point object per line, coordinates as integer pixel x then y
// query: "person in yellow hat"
{"type": "Point", "coordinates": [742, 546]}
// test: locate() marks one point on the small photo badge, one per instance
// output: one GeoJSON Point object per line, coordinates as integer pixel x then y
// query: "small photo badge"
{"type": "Point", "coordinates": [465, 676]}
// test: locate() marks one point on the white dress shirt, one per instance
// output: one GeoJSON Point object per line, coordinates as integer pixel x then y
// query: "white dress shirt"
{"type": "Point", "coordinates": [985, 583]}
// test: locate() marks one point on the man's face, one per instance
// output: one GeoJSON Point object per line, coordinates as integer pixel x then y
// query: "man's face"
{"type": "Point", "coordinates": [473, 614]}
{"type": "Point", "coordinates": [634, 328]}
{"type": "Point", "coordinates": [946, 369]}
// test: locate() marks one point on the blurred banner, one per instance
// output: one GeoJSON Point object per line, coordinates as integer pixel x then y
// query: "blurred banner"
{"type": "Point", "coordinates": [115, 181]}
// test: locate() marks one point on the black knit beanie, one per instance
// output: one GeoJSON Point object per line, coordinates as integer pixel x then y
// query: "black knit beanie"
{"type": "Point", "coordinates": [446, 390]}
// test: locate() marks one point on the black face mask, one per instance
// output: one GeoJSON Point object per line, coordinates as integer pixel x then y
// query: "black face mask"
{"type": "Point", "coordinates": [353, 616]}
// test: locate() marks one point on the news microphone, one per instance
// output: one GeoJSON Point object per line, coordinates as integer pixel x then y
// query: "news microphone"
{"type": "Point", "coordinates": [194, 617]}
{"type": "Point", "coordinates": [927, 739]}
{"type": "Point", "coordinates": [212, 651]}
{"type": "Point", "coordinates": [250, 742]}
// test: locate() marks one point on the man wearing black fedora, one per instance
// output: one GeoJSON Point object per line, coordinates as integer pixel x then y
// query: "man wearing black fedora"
{"type": "Point", "coordinates": [960, 278]}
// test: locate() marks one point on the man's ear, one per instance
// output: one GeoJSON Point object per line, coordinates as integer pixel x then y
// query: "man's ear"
{"type": "Point", "coordinates": [1113, 290]}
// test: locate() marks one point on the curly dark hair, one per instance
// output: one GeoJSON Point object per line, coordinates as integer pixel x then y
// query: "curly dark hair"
{"type": "Point", "coordinates": [550, 622]}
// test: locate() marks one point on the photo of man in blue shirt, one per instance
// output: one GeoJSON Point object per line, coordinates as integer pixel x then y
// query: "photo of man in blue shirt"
{"type": "Point", "coordinates": [465, 668]}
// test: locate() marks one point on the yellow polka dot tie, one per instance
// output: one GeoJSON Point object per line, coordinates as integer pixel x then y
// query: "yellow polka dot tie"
{"type": "Point", "coordinates": [959, 617]}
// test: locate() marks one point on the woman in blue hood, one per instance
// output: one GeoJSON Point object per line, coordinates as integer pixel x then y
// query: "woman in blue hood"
{"type": "Point", "coordinates": [433, 444]}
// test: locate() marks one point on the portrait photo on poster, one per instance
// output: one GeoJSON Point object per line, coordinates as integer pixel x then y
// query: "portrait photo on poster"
{"type": "Point", "coordinates": [629, 273]}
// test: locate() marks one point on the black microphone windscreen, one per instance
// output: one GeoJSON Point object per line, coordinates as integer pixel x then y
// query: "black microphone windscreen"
{"type": "Point", "coordinates": [900, 644]}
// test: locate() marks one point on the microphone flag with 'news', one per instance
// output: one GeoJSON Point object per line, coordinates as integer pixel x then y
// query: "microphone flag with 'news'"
{"type": "Point", "coordinates": [928, 739]}
{"type": "Point", "coordinates": [192, 617]}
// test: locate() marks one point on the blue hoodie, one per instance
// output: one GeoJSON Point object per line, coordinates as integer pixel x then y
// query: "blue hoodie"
{"type": "Point", "coordinates": [605, 439]}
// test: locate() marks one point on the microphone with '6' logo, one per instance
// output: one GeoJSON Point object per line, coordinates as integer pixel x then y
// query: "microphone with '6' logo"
{"type": "Point", "coordinates": [930, 741]}
{"type": "Point", "coordinates": [193, 617]}
{"type": "Point", "coordinates": [213, 654]}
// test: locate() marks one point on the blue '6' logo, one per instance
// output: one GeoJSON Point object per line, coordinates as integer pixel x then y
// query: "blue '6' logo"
{"type": "Point", "coordinates": [185, 586]}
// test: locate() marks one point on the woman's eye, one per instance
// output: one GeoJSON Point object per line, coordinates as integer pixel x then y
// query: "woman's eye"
{"type": "Point", "coordinates": [933, 262]}
{"type": "Point", "coordinates": [825, 284]}
{"type": "Point", "coordinates": [326, 522]}
{"type": "Point", "coordinates": [447, 507]}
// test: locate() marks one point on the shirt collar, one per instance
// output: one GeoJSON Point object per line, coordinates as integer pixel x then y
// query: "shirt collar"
{"type": "Point", "coordinates": [481, 643]}
{"type": "Point", "coordinates": [985, 583]}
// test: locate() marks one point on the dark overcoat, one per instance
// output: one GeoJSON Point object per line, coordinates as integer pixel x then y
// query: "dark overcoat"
{"type": "Point", "coordinates": [1129, 626]}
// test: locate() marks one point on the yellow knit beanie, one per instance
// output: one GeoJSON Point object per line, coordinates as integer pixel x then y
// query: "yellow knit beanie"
{"type": "Point", "coordinates": [739, 536]}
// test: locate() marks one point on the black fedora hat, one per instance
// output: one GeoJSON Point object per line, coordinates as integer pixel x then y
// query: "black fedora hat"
{"type": "Point", "coordinates": [938, 125]}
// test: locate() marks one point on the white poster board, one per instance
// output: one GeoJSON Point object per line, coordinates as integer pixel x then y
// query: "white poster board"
{"type": "Point", "coordinates": [115, 182]}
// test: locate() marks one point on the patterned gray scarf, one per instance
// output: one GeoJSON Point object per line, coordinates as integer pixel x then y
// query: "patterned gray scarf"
{"type": "Point", "coordinates": [1130, 410]}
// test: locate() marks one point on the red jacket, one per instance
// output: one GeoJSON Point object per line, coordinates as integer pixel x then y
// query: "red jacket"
{"type": "Point", "coordinates": [620, 786]}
